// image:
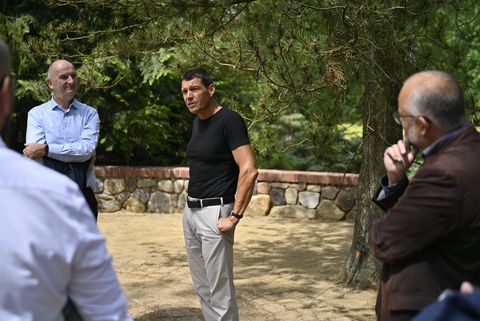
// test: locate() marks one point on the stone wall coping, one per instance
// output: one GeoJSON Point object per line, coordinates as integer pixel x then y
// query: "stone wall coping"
{"type": "Point", "coordinates": [265, 175]}
{"type": "Point", "coordinates": [320, 178]}
{"type": "Point", "coordinates": [141, 172]}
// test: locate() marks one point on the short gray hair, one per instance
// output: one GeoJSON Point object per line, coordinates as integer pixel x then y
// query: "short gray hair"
{"type": "Point", "coordinates": [441, 100]}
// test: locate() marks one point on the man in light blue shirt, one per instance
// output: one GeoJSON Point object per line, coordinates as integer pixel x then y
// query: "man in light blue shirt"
{"type": "Point", "coordinates": [63, 132]}
{"type": "Point", "coordinates": [50, 247]}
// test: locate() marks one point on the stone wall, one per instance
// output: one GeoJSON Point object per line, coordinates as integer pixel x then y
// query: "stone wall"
{"type": "Point", "coordinates": [294, 194]}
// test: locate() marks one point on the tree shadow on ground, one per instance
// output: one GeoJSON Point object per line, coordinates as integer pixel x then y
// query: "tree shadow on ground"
{"type": "Point", "coordinates": [172, 314]}
{"type": "Point", "coordinates": [283, 268]}
{"type": "Point", "coordinates": [301, 260]}
{"type": "Point", "coordinates": [311, 251]}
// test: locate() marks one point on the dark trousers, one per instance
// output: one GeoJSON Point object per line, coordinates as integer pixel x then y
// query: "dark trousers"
{"type": "Point", "coordinates": [78, 173]}
{"type": "Point", "coordinates": [91, 201]}
{"type": "Point", "coordinates": [402, 315]}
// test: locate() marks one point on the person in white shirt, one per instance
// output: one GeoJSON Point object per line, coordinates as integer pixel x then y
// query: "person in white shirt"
{"type": "Point", "coordinates": [50, 247]}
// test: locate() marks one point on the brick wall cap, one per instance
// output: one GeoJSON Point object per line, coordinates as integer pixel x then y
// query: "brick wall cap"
{"type": "Point", "coordinates": [265, 175]}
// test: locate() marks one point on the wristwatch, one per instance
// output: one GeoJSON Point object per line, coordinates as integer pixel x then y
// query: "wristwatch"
{"type": "Point", "coordinates": [239, 216]}
{"type": "Point", "coordinates": [46, 149]}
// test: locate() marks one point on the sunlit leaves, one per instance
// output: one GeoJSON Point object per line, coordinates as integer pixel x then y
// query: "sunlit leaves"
{"type": "Point", "coordinates": [155, 65]}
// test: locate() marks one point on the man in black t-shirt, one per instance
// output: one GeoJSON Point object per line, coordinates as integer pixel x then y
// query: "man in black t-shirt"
{"type": "Point", "coordinates": [222, 178]}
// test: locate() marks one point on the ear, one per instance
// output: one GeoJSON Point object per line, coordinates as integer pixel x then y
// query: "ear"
{"type": "Point", "coordinates": [5, 100]}
{"type": "Point", "coordinates": [211, 90]}
{"type": "Point", "coordinates": [50, 84]}
{"type": "Point", "coordinates": [423, 125]}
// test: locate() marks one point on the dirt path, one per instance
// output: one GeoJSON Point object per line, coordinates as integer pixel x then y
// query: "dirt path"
{"type": "Point", "coordinates": [284, 269]}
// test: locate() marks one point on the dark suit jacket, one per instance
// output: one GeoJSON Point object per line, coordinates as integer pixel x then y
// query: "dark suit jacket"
{"type": "Point", "coordinates": [429, 239]}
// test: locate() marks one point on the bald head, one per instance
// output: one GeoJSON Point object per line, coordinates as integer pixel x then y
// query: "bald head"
{"type": "Point", "coordinates": [58, 65]}
{"type": "Point", "coordinates": [62, 81]}
{"type": "Point", "coordinates": [435, 95]}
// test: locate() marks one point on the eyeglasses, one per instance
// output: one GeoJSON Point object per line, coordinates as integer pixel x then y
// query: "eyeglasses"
{"type": "Point", "coordinates": [398, 118]}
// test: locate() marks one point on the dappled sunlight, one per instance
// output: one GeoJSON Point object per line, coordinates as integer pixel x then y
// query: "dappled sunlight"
{"type": "Point", "coordinates": [285, 269]}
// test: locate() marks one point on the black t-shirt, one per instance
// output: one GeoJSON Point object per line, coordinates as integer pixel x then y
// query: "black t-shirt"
{"type": "Point", "coordinates": [213, 171]}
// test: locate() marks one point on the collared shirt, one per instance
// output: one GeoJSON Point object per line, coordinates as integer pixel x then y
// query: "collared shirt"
{"type": "Point", "coordinates": [71, 135]}
{"type": "Point", "coordinates": [435, 147]}
{"type": "Point", "coordinates": [51, 248]}
{"type": "Point", "coordinates": [386, 190]}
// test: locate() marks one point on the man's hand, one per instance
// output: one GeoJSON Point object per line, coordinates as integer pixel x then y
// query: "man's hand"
{"type": "Point", "coordinates": [225, 224]}
{"type": "Point", "coordinates": [34, 150]}
{"type": "Point", "coordinates": [397, 159]}
{"type": "Point", "coordinates": [467, 287]}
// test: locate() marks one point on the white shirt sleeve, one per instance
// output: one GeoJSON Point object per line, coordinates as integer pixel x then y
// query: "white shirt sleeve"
{"type": "Point", "coordinates": [51, 248]}
{"type": "Point", "coordinates": [94, 287]}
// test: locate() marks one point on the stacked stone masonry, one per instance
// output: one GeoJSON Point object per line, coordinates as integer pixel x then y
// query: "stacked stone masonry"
{"type": "Point", "coordinates": [290, 194]}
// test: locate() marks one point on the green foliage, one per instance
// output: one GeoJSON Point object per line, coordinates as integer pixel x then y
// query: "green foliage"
{"type": "Point", "coordinates": [293, 69]}
{"type": "Point", "coordinates": [154, 65]}
{"type": "Point", "coordinates": [143, 123]}
{"type": "Point", "coordinates": [448, 39]}
{"type": "Point", "coordinates": [143, 120]}
{"type": "Point", "coordinates": [471, 43]}
{"type": "Point", "coordinates": [292, 143]}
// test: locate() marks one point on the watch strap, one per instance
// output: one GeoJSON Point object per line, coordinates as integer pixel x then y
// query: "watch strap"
{"type": "Point", "coordinates": [236, 215]}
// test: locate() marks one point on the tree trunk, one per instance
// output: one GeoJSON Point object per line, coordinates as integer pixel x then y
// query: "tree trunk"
{"type": "Point", "coordinates": [362, 270]}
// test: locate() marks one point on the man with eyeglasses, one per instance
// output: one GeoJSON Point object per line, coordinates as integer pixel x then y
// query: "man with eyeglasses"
{"type": "Point", "coordinates": [50, 247]}
{"type": "Point", "coordinates": [429, 238]}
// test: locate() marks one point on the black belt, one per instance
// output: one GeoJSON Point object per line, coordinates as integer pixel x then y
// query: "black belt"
{"type": "Point", "coordinates": [210, 202]}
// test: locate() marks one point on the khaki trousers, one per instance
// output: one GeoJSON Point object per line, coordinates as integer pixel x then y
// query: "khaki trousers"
{"type": "Point", "coordinates": [210, 257]}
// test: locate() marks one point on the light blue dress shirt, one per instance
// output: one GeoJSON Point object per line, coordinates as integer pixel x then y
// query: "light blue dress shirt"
{"type": "Point", "coordinates": [51, 248]}
{"type": "Point", "coordinates": [71, 135]}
